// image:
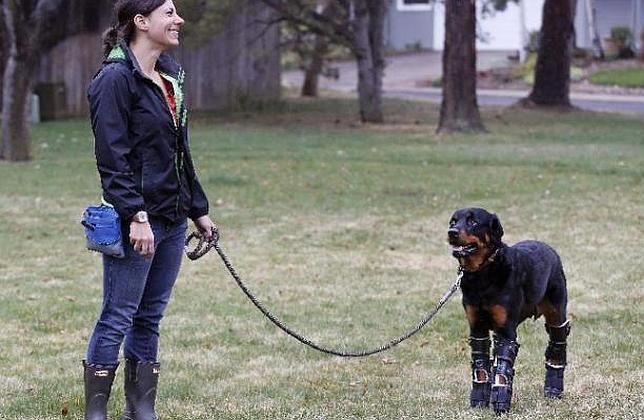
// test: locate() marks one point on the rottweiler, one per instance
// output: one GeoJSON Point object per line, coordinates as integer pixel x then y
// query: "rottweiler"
{"type": "Point", "coordinates": [503, 286]}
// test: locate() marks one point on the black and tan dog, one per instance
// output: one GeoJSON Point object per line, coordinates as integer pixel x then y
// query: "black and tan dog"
{"type": "Point", "coordinates": [502, 286]}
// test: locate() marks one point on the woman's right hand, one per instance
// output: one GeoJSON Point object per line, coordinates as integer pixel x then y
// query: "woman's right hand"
{"type": "Point", "coordinates": [142, 238]}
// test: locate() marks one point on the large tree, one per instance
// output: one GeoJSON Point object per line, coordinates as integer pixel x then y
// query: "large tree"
{"type": "Point", "coordinates": [359, 26]}
{"type": "Point", "coordinates": [33, 27]}
{"type": "Point", "coordinates": [459, 107]}
{"type": "Point", "coordinates": [552, 72]}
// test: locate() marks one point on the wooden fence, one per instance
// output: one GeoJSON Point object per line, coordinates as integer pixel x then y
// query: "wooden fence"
{"type": "Point", "coordinates": [238, 67]}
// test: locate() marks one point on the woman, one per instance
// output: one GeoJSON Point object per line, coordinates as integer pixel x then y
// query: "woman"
{"type": "Point", "coordinates": [138, 118]}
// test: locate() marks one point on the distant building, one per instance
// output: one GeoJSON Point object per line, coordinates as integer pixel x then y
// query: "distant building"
{"type": "Point", "coordinates": [420, 24]}
{"type": "Point", "coordinates": [603, 15]}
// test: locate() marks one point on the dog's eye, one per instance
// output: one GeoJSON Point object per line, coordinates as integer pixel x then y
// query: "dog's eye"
{"type": "Point", "coordinates": [452, 222]}
{"type": "Point", "coordinates": [472, 222]}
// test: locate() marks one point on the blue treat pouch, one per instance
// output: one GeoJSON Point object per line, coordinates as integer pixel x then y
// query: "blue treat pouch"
{"type": "Point", "coordinates": [103, 230]}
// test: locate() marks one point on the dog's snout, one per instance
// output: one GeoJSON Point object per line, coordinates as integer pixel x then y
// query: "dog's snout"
{"type": "Point", "coordinates": [452, 233]}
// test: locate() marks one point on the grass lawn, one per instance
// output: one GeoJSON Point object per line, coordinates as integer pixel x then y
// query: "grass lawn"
{"type": "Point", "coordinates": [633, 77]}
{"type": "Point", "coordinates": [340, 229]}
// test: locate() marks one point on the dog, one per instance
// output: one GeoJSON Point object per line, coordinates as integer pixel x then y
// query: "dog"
{"type": "Point", "coordinates": [503, 286]}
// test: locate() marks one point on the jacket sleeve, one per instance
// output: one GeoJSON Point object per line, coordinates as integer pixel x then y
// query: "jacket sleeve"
{"type": "Point", "coordinates": [110, 101]}
{"type": "Point", "coordinates": [199, 206]}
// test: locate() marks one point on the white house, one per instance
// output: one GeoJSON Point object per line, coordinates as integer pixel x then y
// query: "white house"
{"type": "Point", "coordinates": [421, 23]}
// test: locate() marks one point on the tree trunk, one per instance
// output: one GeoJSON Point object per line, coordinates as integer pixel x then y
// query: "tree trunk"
{"type": "Point", "coordinates": [32, 27]}
{"type": "Point", "coordinates": [16, 85]}
{"type": "Point", "coordinates": [312, 73]}
{"type": "Point", "coordinates": [369, 38]}
{"type": "Point", "coordinates": [320, 49]}
{"type": "Point", "coordinates": [552, 72]}
{"type": "Point", "coordinates": [4, 53]}
{"type": "Point", "coordinates": [15, 111]}
{"type": "Point", "coordinates": [459, 107]}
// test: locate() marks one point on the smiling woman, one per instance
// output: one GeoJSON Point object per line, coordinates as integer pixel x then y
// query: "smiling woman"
{"type": "Point", "coordinates": [138, 117]}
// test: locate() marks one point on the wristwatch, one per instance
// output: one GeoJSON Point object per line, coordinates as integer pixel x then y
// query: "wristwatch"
{"type": "Point", "coordinates": [140, 217]}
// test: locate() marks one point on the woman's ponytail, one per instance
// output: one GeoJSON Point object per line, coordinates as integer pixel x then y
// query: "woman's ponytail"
{"type": "Point", "coordinates": [110, 39]}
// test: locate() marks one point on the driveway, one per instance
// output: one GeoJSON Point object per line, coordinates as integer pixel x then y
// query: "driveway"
{"type": "Point", "coordinates": [404, 73]}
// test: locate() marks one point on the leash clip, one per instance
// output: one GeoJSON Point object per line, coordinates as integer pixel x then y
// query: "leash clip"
{"type": "Point", "coordinates": [203, 246]}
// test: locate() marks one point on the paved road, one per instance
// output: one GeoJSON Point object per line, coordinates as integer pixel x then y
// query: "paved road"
{"type": "Point", "coordinates": [604, 103]}
{"type": "Point", "coordinates": [404, 72]}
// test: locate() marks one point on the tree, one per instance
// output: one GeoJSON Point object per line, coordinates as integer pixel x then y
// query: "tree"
{"type": "Point", "coordinates": [552, 72]}
{"type": "Point", "coordinates": [459, 107]}
{"type": "Point", "coordinates": [33, 27]}
{"type": "Point", "coordinates": [4, 50]}
{"type": "Point", "coordinates": [312, 49]}
{"type": "Point", "coordinates": [358, 25]}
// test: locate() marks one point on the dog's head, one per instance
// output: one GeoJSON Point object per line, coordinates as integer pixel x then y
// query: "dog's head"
{"type": "Point", "coordinates": [474, 233]}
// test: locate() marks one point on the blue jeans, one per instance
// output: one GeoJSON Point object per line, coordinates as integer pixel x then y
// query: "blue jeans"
{"type": "Point", "coordinates": [136, 291]}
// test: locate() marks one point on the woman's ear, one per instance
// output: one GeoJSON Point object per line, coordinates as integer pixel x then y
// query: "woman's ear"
{"type": "Point", "coordinates": [496, 228]}
{"type": "Point", "coordinates": [141, 23]}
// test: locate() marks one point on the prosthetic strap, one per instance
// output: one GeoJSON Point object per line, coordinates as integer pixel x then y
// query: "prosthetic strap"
{"type": "Point", "coordinates": [480, 359]}
{"type": "Point", "coordinates": [556, 350]}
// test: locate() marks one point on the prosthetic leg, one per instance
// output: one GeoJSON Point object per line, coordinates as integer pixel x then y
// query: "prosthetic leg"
{"type": "Point", "coordinates": [556, 360]}
{"type": "Point", "coordinates": [505, 353]}
{"type": "Point", "coordinates": [481, 375]}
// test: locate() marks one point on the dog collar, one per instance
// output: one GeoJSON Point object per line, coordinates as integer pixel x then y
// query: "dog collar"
{"type": "Point", "coordinates": [487, 262]}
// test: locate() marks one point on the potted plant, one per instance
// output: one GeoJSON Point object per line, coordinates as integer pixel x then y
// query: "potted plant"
{"type": "Point", "coordinates": [621, 41]}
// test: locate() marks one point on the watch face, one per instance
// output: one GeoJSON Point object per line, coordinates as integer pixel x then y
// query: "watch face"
{"type": "Point", "coordinates": [141, 217]}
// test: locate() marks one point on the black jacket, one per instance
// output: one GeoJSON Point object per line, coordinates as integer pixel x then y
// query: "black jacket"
{"type": "Point", "coordinates": [141, 151]}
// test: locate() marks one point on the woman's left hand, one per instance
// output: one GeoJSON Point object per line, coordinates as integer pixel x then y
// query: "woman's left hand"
{"type": "Point", "coordinates": [206, 226]}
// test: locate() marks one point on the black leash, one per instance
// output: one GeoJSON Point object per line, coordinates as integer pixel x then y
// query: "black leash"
{"type": "Point", "coordinates": [204, 246]}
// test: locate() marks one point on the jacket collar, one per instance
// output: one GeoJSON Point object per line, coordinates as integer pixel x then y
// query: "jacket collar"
{"type": "Point", "coordinates": [122, 53]}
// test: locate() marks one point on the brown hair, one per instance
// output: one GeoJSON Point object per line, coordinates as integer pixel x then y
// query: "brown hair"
{"type": "Point", "coordinates": [124, 28]}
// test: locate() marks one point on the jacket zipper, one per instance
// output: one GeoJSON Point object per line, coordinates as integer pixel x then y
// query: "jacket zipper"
{"type": "Point", "coordinates": [177, 152]}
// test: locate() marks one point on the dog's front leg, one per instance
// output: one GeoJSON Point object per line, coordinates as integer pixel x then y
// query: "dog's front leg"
{"type": "Point", "coordinates": [480, 345]}
{"type": "Point", "coordinates": [505, 353]}
{"type": "Point", "coordinates": [481, 374]}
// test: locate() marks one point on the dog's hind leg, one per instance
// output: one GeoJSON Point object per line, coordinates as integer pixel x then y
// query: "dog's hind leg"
{"type": "Point", "coordinates": [557, 326]}
{"type": "Point", "coordinates": [556, 359]}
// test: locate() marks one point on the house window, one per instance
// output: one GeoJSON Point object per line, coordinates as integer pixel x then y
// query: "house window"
{"type": "Point", "coordinates": [415, 5]}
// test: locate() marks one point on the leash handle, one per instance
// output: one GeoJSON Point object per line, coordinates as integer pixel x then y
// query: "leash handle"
{"type": "Point", "coordinates": [203, 246]}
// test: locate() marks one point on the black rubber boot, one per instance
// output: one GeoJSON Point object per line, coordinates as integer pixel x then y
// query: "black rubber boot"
{"type": "Point", "coordinates": [481, 375]}
{"type": "Point", "coordinates": [556, 360]}
{"type": "Point", "coordinates": [505, 353]}
{"type": "Point", "coordinates": [98, 383]}
{"type": "Point", "coordinates": [141, 380]}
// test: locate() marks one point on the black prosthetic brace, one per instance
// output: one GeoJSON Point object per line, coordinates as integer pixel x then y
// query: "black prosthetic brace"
{"type": "Point", "coordinates": [556, 360]}
{"type": "Point", "coordinates": [481, 375]}
{"type": "Point", "coordinates": [505, 352]}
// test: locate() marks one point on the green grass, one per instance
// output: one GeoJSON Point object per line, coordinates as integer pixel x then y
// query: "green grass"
{"type": "Point", "coordinates": [620, 77]}
{"type": "Point", "coordinates": [340, 229]}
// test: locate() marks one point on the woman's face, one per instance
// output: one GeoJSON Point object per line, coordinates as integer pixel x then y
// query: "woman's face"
{"type": "Point", "coordinates": [164, 25]}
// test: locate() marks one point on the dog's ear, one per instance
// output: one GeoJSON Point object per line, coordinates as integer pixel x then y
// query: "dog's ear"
{"type": "Point", "coordinates": [496, 228]}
